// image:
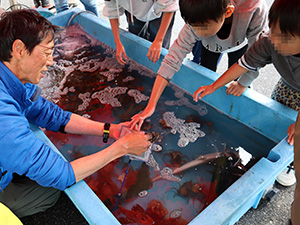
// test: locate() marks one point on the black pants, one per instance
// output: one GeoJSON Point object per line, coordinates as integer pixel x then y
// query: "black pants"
{"type": "Point", "coordinates": [25, 197]}
{"type": "Point", "coordinates": [210, 59]}
{"type": "Point", "coordinates": [151, 30]}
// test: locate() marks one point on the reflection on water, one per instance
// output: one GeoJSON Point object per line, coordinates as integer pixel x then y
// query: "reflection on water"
{"type": "Point", "coordinates": [193, 161]}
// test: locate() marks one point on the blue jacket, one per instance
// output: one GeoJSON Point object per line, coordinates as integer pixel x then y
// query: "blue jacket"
{"type": "Point", "coordinates": [21, 151]}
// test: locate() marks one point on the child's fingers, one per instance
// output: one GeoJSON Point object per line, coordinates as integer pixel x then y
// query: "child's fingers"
{"type": "Point", "coordinates": [149, 55]}
{"type": "Point", "coordinates": [290, 139]}
{"type": "Point", "coordinates": [125, 56]}
{"type": "Point", "coordinates": [121, 57]}
{"type": "Point", "coordinates": [141, 121]}
{"type": "Point", "coordinates": [229, 90]}
{"type": "Point", "coordinates": [233, 91]}
{"type": "Point", "coordinates": [156, 57]}
{"type": "Point", "coordinates": [202, 95]}
{"type": "Point", "coordinates": [195, 95]}
{"type": "Point", "coordinates": [202, 91]}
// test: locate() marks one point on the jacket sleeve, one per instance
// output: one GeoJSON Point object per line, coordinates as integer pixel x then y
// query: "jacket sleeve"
{"type": "Point", "coordinates": [258, 23]}
{"type": "Point", "coordinates": [46, 114]}
{"type": "Point", "coordinates": [23, 153]}
{"type": "Point", "coordinates": [166, 6]}
{"type": "Point", "coordinates": [178, 51]}
{"type": "Point", "coordinates": [111, 9]}
{"type": "Point", "coordinates": [256, 57]}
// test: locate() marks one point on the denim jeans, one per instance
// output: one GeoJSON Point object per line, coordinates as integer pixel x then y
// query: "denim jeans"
{"type": "Point", "coordinates": [89, 5]}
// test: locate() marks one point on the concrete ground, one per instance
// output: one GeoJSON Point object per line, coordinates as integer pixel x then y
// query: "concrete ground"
{"type": "Point", "coordinates": [275, 211]}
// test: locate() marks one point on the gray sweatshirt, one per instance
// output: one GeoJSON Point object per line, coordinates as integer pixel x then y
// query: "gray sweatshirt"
{"type": "Point", "coordinates": [263, 53]}
{"type": "Point", "coordinates": [248, 20]}
{"type": "Point", "coordinates": [143, 10]}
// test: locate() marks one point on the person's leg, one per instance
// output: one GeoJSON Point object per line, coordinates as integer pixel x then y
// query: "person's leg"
{"type": "Point", "coordinates": [284, 94]}
{"type": "Point", "coordinates": [209, 59]}
{"type": "Point", "coordinates": [25, 197]}
{"type": "Point", "coordinates": [233, 57]}
{"type": "Point", "coordinates": [61, 5]}
{"type": "Point", "coordinates": [90, 5]}
{"type": "Point", "coordinates": [153, 28]}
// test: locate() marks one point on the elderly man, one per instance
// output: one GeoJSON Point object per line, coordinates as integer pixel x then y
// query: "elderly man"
{"type": "Point", "coordinates": [31, 173]}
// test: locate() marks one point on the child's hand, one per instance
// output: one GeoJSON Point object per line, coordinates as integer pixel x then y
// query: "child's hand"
{"type": "Point", "coordinates": [291, 132]}
{"type": "Point", "coordinates": [154, 51]}
{"type": "Point", "coordinates": [121, 54]}
{"type": "Point", "coordinates": [235, 89]}
{"type": "Point", "coordinates": [204, 90]}
{"type": "Point", "coordinates": [138, 119]}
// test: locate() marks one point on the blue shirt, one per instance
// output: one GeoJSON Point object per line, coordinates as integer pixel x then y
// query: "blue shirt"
{"type": "Point", "coordinates": [21, 151]}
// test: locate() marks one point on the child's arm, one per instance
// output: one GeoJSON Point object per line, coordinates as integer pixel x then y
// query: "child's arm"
{"type": "Point", "coordinates": [155, 48]}
{"type": "Point", "coordinates": [158, 88]}
{"type": "Point", "coordinates": [170, 65]}
{"type": "Point", "coordinates": [120, 51]}
{"type": "Point", "coordinates": [232, 73]}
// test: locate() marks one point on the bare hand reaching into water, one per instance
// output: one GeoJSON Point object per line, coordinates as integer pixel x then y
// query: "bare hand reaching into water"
{"type": "Point", "coordinates": [203, 91]}
{"type": "Point", "coordinates": [121, 54]}
{"type": "Point", "coordinates": [154, 51]}
{"type": "Point", "coordinates": [135, 143]}
{"type": "Point", "coordinates": [138, 119]}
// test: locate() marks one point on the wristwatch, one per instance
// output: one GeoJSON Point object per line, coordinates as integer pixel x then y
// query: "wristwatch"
{"type": "Point", "coordinates": [106, 132]}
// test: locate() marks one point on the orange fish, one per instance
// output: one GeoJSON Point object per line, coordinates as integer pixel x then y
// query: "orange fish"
{"type": "Point", "coordinates": [136, 215]}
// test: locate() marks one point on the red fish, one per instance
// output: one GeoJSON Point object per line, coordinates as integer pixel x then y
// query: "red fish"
{"type": "Point", "coordinates": [136, 215]}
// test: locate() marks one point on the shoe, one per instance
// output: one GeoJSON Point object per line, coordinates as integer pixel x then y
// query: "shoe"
{"type": "Point", "coordinates": [287, 176]}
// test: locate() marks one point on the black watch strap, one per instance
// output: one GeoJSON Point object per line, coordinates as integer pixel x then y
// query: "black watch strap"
{"type": "Point", "coordinates": [106, 132]}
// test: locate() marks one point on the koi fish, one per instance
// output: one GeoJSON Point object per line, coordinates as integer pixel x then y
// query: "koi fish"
{"type": "Point", "coordinates": [200, 160]}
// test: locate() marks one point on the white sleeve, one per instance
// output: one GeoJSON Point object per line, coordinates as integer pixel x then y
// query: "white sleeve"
{"type": "Point", "coordinates": [111, 11]}
{"type": "Point", "coordinates": [178, 51]}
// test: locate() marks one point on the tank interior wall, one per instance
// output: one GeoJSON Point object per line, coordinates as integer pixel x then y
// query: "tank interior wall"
{"type": "Point", "coordinates": [253, 109]}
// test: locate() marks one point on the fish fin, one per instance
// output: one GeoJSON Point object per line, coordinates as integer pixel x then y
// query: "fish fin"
{"type": "Point", "coordinates": [138, 208]}
{"type": "Point", "coordinates": [125, 220]}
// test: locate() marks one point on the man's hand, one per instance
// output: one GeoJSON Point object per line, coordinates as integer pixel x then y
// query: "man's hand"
{"type": "Point", "coordinates": [136, 142]}
{"type": "Point", "coordinates": [116, 129]}
{"type": "Point", "coordinates": [235, 89]}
